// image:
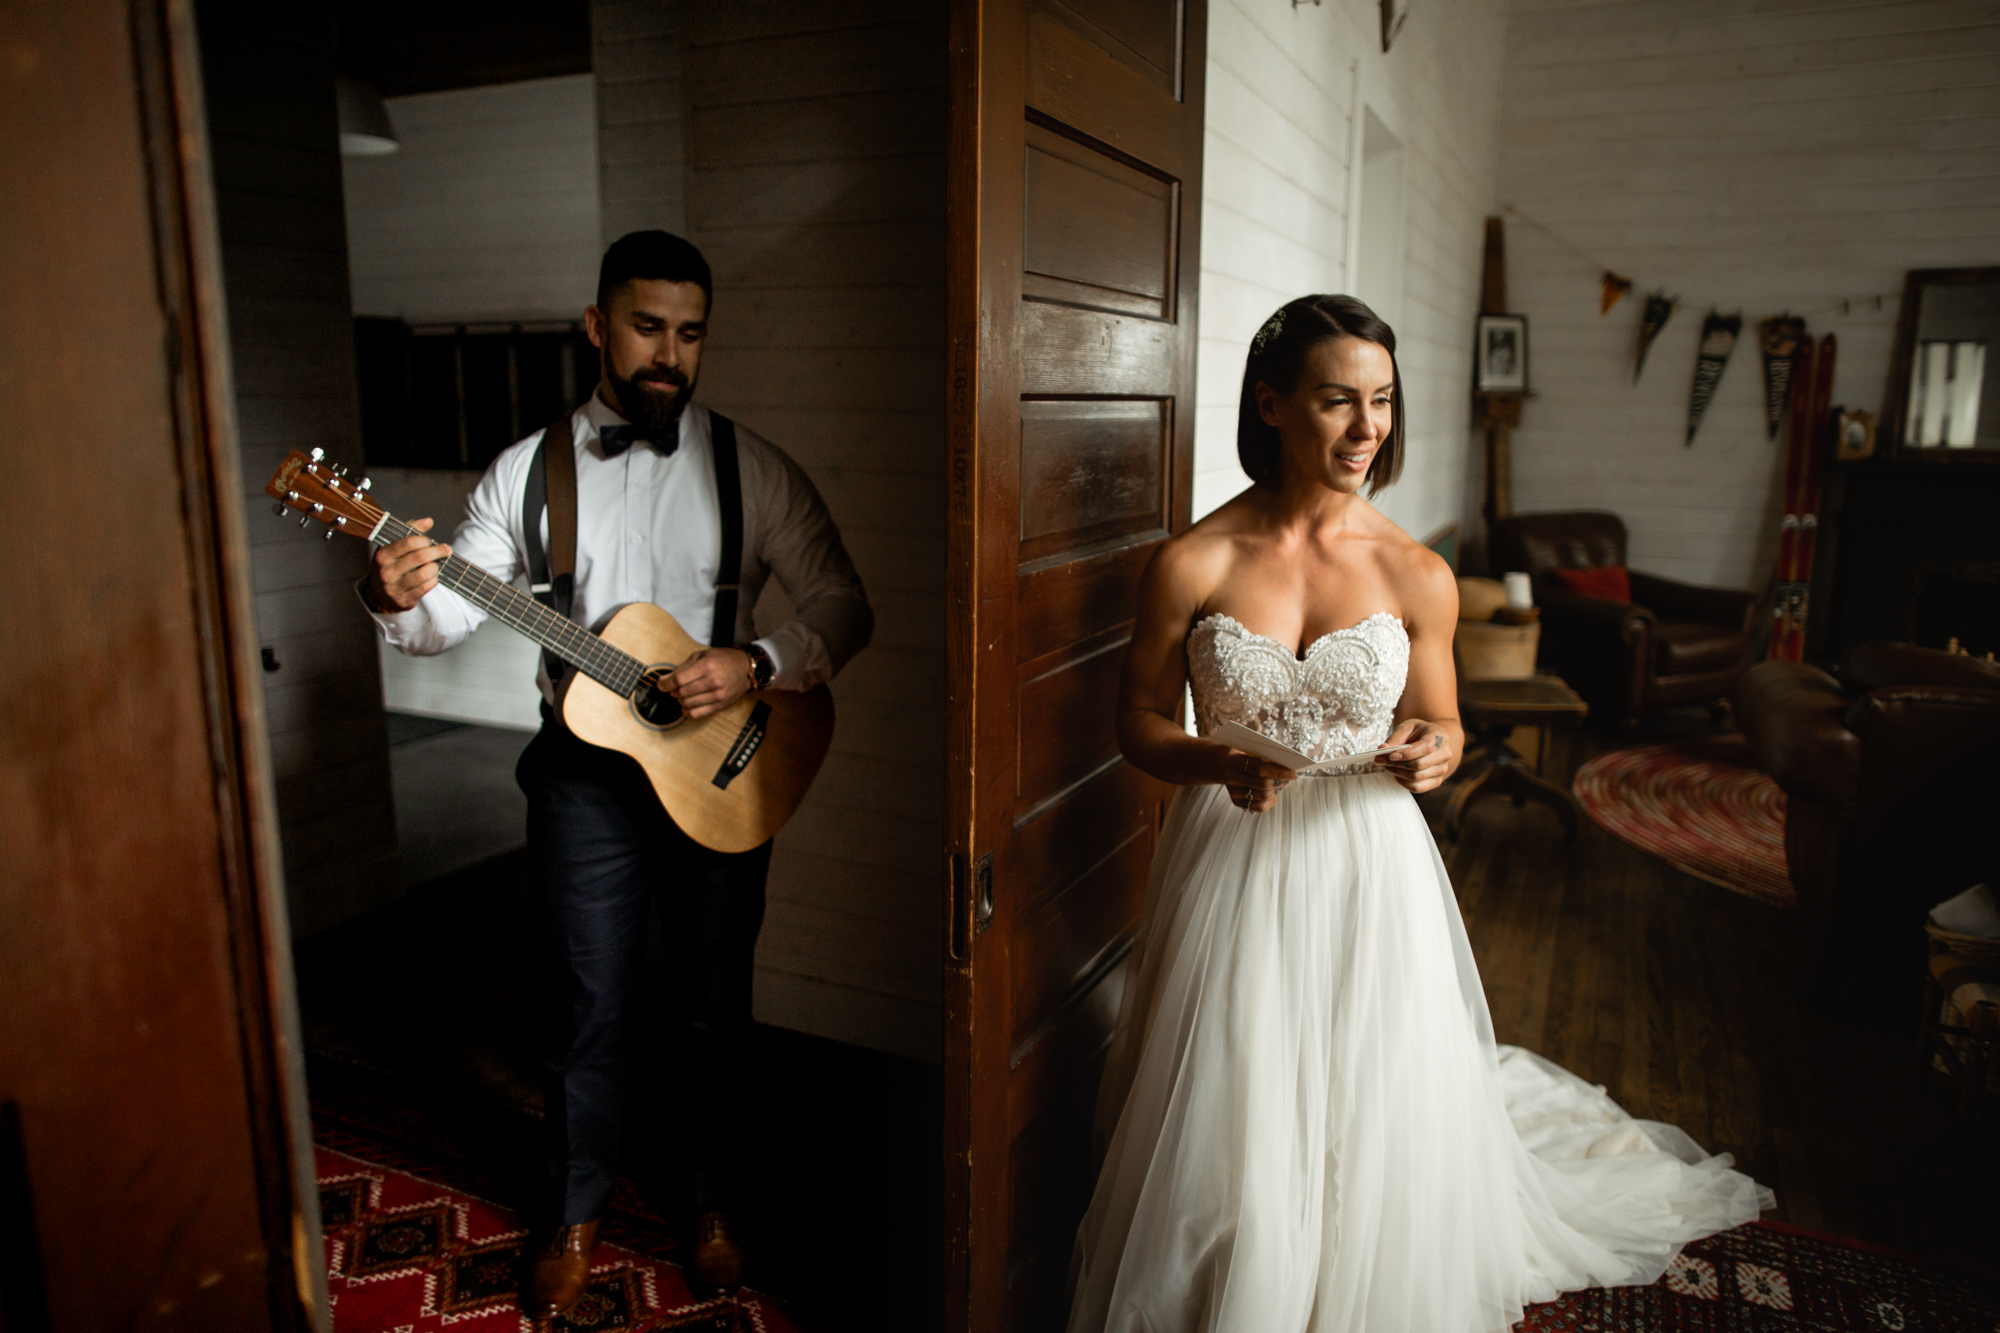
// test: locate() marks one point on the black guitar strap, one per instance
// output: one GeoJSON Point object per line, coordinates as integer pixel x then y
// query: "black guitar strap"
{"type": "Point", "coordinates": [552, 487]}
{"type": "Point", "coordinates": [729, 508]}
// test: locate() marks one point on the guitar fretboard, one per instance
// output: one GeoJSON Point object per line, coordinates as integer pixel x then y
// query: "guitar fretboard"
{"type": "Point", "coordinates": [583, 650]}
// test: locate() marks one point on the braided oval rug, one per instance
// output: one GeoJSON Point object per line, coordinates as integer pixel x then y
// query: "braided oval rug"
{"type": "Point", "coordinates": [1700, 807]}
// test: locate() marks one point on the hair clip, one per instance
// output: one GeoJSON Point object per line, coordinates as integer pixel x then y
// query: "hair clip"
{"type": "Point", "coordinates": [1272, 328]}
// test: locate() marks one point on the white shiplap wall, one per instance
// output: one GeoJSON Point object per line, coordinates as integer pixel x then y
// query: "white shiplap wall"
{"type": "Point", "coordinates": [815, 186]}
{"type": "Point", "coordinates": [1760, 157]}
{"type": "Point", "coordinates": [489, 211]}
{"type": "Point", "coordinates": [1284, 87]}
{"type": "Point", "coordinates": [641, 107]}
{"type": "Point", "coordinates": [268, 76]}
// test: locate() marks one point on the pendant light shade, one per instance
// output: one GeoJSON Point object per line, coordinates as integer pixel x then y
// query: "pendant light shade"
{"type": "Point", "coordinates": [365, 130]}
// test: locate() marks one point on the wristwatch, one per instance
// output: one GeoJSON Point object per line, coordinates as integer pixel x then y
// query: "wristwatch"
{"type": "Point", "coordinates": [762, 668]}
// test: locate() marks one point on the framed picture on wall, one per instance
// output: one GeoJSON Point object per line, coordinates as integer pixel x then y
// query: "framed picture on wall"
{"type": "Point", "coordinates": [1500, 354]}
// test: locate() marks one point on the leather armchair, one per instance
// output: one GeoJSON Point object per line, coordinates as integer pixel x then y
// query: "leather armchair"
{"type": "Point", "coordinates": [1891, 798]}
{"type": "Point", "coordinates": [1674, 643]}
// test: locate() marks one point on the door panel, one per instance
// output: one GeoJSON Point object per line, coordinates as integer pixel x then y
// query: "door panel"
{"type": "Point", "coordinates": [1056, 604]}
{"type": "Point", "coordinates": [155, 1164]}
{"type": "Point", "coordinates": [1066, 352]}
{"type": "Point", "coordinates": [1091, 471]}
{"type": "Point", "coordinates": [1072, 260]}
{"type": "Point", "coordinates": [1064, 718]}
{"type": "Point", "coordinates": [1141, 33]}
{"type": "Point", "coordinates": [1096, 232]}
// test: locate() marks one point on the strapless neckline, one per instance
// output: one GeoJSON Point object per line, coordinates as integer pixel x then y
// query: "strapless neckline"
{"type": "Point", "coordinates": [1356, 628]}
{"type": "Point", "coordinates": [1340, 698]}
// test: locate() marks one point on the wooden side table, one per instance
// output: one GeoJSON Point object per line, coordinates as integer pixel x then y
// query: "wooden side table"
{"type": "Point", "coordinates": [1492, 709]}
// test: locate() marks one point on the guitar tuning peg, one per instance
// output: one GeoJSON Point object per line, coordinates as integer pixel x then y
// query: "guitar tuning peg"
{"type": "Point", "coordinates": [278, 508]}
{"type": "Point", "coordinates": [305, 521]}
{"type": "Point", "coordinates": [329, 534]}
{"type": "Point", "coordinates": [366, 482]}
{"type": "Point", "coordinates": [340, 472]}
{"type": "Point", "coordinates": [318, 454]}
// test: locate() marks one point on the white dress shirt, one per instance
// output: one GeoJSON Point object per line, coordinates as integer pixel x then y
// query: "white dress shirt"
{"type": "Point", "coordinates": [648, 530]}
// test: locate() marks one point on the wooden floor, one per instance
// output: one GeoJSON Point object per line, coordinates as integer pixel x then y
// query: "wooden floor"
{"type": "Point", "coordinates": [433, 1005]}
{"type": "Point", "coordinates": [1685, 1000]}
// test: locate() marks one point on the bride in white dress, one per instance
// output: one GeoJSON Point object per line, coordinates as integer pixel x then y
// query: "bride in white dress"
{"type": "Point", "coordinates": [1305, 1121]}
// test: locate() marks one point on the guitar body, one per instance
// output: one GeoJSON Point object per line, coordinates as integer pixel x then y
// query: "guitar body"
{"type": "Point", "coordinates": [731, 779]}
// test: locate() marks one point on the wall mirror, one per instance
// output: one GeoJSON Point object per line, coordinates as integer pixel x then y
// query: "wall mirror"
{"type": "Point", "coordinates": [1943, 397]}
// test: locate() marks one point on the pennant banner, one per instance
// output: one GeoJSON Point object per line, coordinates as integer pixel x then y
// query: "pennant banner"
{"type": "Point", "coordinates": [1659, 309]}
{"type": "Point", "coordinates": [1614, 289]}
{"type": "Point", "coordinates": [1718, 340]}
{"type": "Point", "coordinates": [1780, 337]}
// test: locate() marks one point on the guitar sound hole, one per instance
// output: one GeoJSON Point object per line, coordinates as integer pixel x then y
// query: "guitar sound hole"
{"type": "Point", "coordinates": [653, 705]}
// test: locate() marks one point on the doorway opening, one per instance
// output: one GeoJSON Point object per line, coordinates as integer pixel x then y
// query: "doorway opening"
{"type": "Point", "coordinates": [1378, 273]}
{"type": "Point", "coordinates": [412, 313]}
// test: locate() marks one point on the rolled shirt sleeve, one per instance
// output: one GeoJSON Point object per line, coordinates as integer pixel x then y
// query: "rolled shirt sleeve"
{"type": "Point", "coordinates": [832, 620]}
{"type": "Point", "coordinates": [442, 619]}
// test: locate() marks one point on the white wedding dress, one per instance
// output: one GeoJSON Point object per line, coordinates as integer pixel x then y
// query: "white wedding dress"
{"type": "Point", "coordinates": [1309, 1124]}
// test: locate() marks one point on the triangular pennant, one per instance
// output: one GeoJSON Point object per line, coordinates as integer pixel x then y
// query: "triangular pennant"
{"type": "Point", "coordinates": [1718, 340]}
{"type": "Point", "coordinates": [1659, 309]}
{"type": "Point", "coordinates": [1780, 337]}
{"type": "Point", "coordinates": [1613, 291]}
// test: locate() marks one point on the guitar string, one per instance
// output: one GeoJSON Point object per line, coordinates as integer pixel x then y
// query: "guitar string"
{"type": "Point", "coordinates": [616, 670]}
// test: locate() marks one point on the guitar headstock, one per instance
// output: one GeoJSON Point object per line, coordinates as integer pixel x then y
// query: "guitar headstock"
{"type": "Point", "coordinates": [318, 490]}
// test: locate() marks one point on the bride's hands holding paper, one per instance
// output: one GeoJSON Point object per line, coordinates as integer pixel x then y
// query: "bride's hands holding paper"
{"type": "Point", "coordinates": [1253, 784]}
{"type": "Point", "coordinates": [1429, 760]}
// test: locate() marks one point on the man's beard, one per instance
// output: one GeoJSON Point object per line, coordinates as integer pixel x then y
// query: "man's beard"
{"type": "Point", "coordinates": [658, 417]}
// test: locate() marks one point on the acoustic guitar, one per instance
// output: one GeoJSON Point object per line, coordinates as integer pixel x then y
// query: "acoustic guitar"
{"type": "Point", "coordinates": [730, 780]}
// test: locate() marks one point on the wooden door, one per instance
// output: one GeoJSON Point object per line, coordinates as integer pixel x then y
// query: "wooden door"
{"type": "Point", "coordinates": [155, 1170]}
{"type": "Point", "coordinates": [1074, 203]}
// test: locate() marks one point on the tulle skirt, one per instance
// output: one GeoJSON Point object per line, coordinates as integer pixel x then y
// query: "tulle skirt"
{"type": "Point", "coordinates": [1305, 1123]}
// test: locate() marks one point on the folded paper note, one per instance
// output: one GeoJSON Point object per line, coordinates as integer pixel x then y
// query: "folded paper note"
{"type": "Point", "coordinates": [1239, 737]}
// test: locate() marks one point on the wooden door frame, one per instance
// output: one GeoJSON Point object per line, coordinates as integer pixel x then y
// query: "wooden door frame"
{"type": "Point", "coordinates": [189, 267]}
{"type": "Point", "coordinates": [989, 82]}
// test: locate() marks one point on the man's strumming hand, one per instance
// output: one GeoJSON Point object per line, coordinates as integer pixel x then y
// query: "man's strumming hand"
{"type": "Point", "coordinates": [711, 680]}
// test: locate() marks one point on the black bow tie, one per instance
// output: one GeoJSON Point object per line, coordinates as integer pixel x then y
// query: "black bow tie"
{"type": "Point", "coordinates": [616, 439]}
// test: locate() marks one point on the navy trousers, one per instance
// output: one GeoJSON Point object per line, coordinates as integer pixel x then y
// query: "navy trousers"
{"type": "Point", "coordinates": [603, 850]}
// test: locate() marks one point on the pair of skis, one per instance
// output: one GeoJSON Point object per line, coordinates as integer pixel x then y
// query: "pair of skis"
{"type": "Point", "coordinates": [1807, 443]}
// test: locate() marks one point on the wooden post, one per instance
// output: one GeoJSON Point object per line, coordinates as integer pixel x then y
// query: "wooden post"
{"type": "Point", "coordinates": [1498, 413]}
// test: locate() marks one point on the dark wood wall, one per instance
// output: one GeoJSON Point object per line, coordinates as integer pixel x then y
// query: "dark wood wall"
{"type": "Point", "coordinates": [815, 185]}
{"type": "Point", "coordinates": [641, 109]}
{"type": "Point", "coordinates": [269, 73]}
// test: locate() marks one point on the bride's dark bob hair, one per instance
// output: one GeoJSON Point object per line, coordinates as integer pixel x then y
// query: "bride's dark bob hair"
{"type": "Point", "coordinates": [1278, 356]}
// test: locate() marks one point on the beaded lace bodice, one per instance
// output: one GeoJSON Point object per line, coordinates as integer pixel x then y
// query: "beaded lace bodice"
{"type": "Point", "coordinates": [1340, 700]}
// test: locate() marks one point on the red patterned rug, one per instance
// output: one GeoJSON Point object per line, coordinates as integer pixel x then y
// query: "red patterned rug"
{"type": "Point", "coordinates": [1768, 1276]}
{"type": "Point", "coordinates": [1698, 806]}
{"type": "Point", "coordinates": [404, 1255]}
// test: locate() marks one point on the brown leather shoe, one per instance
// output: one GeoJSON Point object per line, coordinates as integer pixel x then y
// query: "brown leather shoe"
{"type": "Point", "coordinates": [718, 1259]}
{"type": "Point", "coordinates": [561, 1271]}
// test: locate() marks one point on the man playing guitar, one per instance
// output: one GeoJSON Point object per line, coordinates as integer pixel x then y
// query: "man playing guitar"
{"type": "Point", "coordinates": [651, 524]}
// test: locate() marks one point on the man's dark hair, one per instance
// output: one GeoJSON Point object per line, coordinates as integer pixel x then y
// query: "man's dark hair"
{"type": "Point", "coordinates": [1277, 357]}
{"type": "Point", "coordinates": [653, 255]}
